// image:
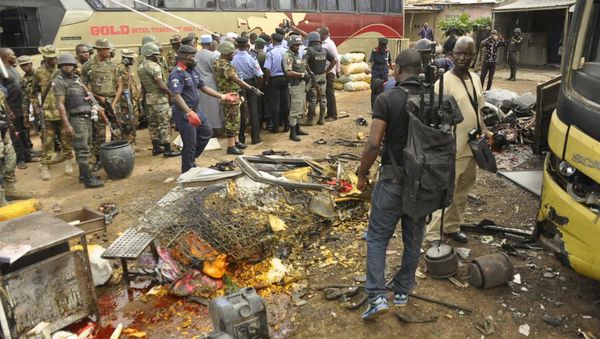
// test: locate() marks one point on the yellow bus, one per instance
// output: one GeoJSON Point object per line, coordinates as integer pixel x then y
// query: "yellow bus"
{"type": "Point", "coordinates": [354, 24]}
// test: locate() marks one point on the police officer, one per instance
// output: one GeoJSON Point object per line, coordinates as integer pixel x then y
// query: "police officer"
{"type": "Point", "coordinates": [249, 70]}
{"type": "Point", "coordinates": [278, 98]}
{"type": "Point", "coordinates": [46, 105]}
{"type": "Point", "coordinates": [295, 69]}
{"type": "Point", "coordinates": [129, 102]}
{"type": "Point", "coordinates": [228, 81]}
{"type": "Point", "coordinates": [101, 75]}
{"type": "Point", "coordinates": [75, 109]}
{"type": "Point", "coordinates": [316, 59]}
{"type": "Point", "coordinates": [192, 123]}
{"type": "Point", "coordinates": [514, 48]}
{"type": "Point", "coordinates": [8, 158]}
{"type": "Point", "coordinates": [381, 60]}
{"type": "Point", "coordinates": [156, 100]}
{"type": "Point", "coordinates": [171, 57]}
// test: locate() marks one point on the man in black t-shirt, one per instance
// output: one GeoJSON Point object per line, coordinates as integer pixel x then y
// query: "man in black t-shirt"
{"type": "Point", "coordinates": [390, 125]}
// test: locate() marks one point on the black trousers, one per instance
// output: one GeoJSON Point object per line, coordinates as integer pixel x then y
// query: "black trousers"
{"type": "Point", "coordinates": [488, 68]}
{"type": "Point", "coordinates": [330, 95]}
{"type": "Point", "coordinates": [278, 101]}
{"type": "Point", "coordinates": [250, 114]}
{"type": "Point", "coordinates": [21, 142]}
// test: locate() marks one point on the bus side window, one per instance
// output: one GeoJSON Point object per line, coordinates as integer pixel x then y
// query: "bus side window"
{"type": "Point", "coordinates": [395, 6]}
{"type": "Point", "coordinates": [375, 6]}
{"type": "Point", "coordinates": [245, 4]}
{"type": "Point", "coordinates": [337, 5]}
{"type": "Point", "coordinates": [179, 3]}
{"type": "Point", "coordinates": [284, 5]}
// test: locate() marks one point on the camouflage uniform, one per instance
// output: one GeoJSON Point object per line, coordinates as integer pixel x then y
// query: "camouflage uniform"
{"type": "Point", "coordinates": [130, 83]}
{"type": "Point", "coordinates": [41, 80]}
{"type": "Point", "coordinates": [292, 62]}
{"type": "Point", "coordinates": [27, 89]}
{"type": "Point", "coordinates": [156, 102]}
{"type": "Point", "coordinates": [224, 70]}
{"type": "Point", "coordinates": [8, 158]}
{"type": "Point", "coordinates": [171, 59]}
{"type": "Point", "coordinates": [102, 78]}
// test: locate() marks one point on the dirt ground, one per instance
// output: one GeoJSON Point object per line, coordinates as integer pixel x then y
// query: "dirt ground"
{"type": "Point", "coordinates": [572, 301]}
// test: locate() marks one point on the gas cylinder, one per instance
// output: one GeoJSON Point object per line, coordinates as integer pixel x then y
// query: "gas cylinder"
{"type": "Point", "coordinates": [242, 315]}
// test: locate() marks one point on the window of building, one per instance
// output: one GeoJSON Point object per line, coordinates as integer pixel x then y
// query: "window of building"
{"type": "Point", "coordinates": [337, 5]}
{"type": "Point", "coordinates": [395, 6]}
{"type": "Point", "coordinates": [245, 4]}
{"type": "Point", "coordinates": [375, 6]}
{"type": "Point", "coordinates": [296, 5]}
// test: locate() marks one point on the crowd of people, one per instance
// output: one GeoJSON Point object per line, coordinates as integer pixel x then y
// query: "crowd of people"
{"type": "Point", "coordinates": [205, 85]}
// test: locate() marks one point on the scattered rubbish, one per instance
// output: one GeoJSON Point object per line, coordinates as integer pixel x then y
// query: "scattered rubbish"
{"type": "Point", "coordinates": [360, 278]}
{"type": "Point", "coordinates": [321, 141]}
{"type": "Point", "coordinates": [101, 268]}
{"type": "Point", "coordinates": [528, 180]}
{"type": "Point", "coordinates": [490, 270]}
{"type": "Point", "coordinates": [585, 334]}
{"type": "Point", "coordinates": [411, 319]}
{"type": "Point", "coordinates": [277, 225]}
{"type": "Point", "coordinates": [199, 300]}
{"type": "Point", "coordinates": [486, 326]}
{"type": "Point", "coordinates": [524, 289]}
{"type": "Point", "coordinates": [489, 227]}
{"type": "Point", "coordinates": [273, 152]}
{"type": "Point", "coordinates": [420, 274]}
{"type": "Point", "coordinates": [168, 268]}
{"type": "Point", "coordinates": [500, 97]}
{"type": "Point", "coordinates": [443, 303]}
{"type": "Point", "coordinates": [215, 268]}
{"type": "Point", "coordinates": [109, 210]}
{"type": "Point", "coordinates": [360, 121]}
{"type": "Point", "coordinates": [517, 279]}
{"type": "Point", "coordinates": [587, 317]}
{"type": "Point", "coordinates": [525, 100]}
{"type": "Point", "coordinates": [350, 143]}
{"type": "Point", "coordinates": [132, 332]}
{"type": "Point", "coordinates": [238, 311]}
{"type": "Point", "coordinates": [552, 321]}
{"type": "Point", "coordinates": [169, 180]}
{"type": "Point", "coordinates": [458, 283]}
{"type": "Point", "coordinates": [486, 239]}
{"type": "Point", "coordinates": [549, 275]}
{"type": "Point", "coordinates": [193, 282]}
{"type": "Point", "coordinates": [276, 272]}
{"type": "Point", "coordinates": [224, 166]}
{"type": "Point", "coordinates": [117, 332]}
{"type": "Point", "coordinates": [56, 208]}
{"type": "Point", "coordinates": [475, 199]}
{"type": "Point", "coordinates": [524, 330]}
{"type": "Point", "coordinates": [63, 335]}
{"type": "Point", "coordinates": [323, 204]}
{"type": "Point", "coordinates": [441, 261]}
{"type": "Point", "coordinates": [463, 252]}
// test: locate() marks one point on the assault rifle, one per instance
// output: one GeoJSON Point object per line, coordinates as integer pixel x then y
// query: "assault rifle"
{"type": "Point", "coordinates": [313, 80]}
{"type": "Point", "coordinates": [127, 95]}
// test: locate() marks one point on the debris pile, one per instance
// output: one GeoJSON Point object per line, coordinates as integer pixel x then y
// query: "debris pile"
{"type": "Point", "coordinates": [510, 115]}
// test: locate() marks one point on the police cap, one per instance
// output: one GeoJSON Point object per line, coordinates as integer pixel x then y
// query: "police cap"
{"type": "Point", "coordinates": [277, 37]}
{"type": "Point", "coordinates": [241, 41]}
{"type": "Point", "coordinates": [187, 49]}
{"type": "Point", "coordinates": [314, 36]}
{"type": "Point", "coordinates": [66, 59]}
{"type": "Point", "coordinates": [188, 40]}
{"type": "Point", "coordinates": [383, 41]}
{"type": "Point", "coordinates": [24, 60]}
{"type": "Point", "coordinates": [48, 51]}
{"type": "Point", "coordinates": [225, 48]}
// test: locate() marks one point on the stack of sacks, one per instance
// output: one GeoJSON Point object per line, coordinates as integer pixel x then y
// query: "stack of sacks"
{"type": "Point", "coordinates": [354, 73]}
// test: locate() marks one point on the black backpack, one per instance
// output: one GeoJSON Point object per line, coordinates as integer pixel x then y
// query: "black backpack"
{"type": "Point", "coordinates": [429, 157]}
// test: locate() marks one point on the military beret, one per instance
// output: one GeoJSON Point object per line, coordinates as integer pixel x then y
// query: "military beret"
{"type": "Point", "coordinates": [24, 60]}
{"type": "Point", "coordinates": [277, 37]}
{"type": "Point", "coordinates": [241, 40]}
{"type": "Point", "coordinates": [280, 30]}
{"type": "Point", "coordinates": [260, 41]}
{"type": "Point", "coordinates": [187, 40]}
{"type": "Point", "coordinates": [206, 39]}
{"type": "Point", "coordinates": [128, 53]}
{"type": "Point", "coordinates": [175, 39]}
{"type": "Point", "coordinates": [48, 51]}
{"type": "Point", "coordinates": [187, 49]}
{"type": "Point", "coordinates": [225, 48]}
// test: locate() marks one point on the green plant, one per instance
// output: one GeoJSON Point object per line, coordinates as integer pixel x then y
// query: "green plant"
{"type": "Point", "coordinates": [464, 24]}
{"type": "Point", "coordinates": [481, 23]}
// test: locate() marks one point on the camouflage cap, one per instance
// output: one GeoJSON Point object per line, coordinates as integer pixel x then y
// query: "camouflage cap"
{"type": "Point", "coordinates": [225, 48]}
{"type": "Point", "coordinates": [24, 60]}
{"type": "Point", "coordinates": [102, 44]}
{"type": "Point", "coordinates": [175, 39]}
{"type": "Point", "coordinates": [128, 53]}
{"type": "Point", "coordinates": [48, 51]}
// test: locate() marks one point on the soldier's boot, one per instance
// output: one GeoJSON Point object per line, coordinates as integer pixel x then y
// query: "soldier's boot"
{"type": "Point", "coordinates": [156, 149]}
{"type": "Point", "coordinates": [309, 121]}
{"type": "Point", "coordinates": [69, 167]}
{"type": "Point", "coordinates": [299, 131]}
{"type": "Point", "coordinates": [3, 201]}
{"type": "Point", "coordinates": [45, 172]}
{"type": "Point", "coordinates": [97, 165]}
{"type": "Point", "coordinates": [321, 120]}
{"type": "Point", "coordinates": [293, 135]}
{"type": "Point", "coordinates": [168, 152]}
{"type": "Point", "coordinates": [89, 180]}
{"type": "Point", "coordinates": [11, 192]}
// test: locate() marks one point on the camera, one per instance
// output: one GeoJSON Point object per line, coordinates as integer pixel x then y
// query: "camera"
{"type": "Point", "coordinates": [473, 134]}
{"type": "Point", "coordinates": [287, 26]}
{"type": "Point", "coordinates": [127, 62]}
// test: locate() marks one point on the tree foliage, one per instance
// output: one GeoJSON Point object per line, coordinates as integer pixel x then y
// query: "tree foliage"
{"type": "Point", "coordinates": [464, 24]}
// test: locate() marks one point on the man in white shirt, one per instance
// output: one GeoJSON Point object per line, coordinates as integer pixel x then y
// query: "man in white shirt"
{"type": "Point", "coordinates": [329, 45]}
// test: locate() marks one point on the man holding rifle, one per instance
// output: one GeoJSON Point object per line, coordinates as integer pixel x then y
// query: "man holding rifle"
{"type": "Point", "coordinates": [101, 75]}
{"type": "Point", "coordinates": [45, 107]}
{"type": "Point", "coordinates": [129, 102]}
{"type": "Point", "coordinates": [317, 58]}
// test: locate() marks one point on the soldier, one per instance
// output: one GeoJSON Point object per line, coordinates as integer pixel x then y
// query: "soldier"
{"type": "Point", "coordinates": [82, 51]}
{"type": "Point", "coordinates": [129, 102]}
{"type": "Point", "coordinates": [73, 101]}
{"type": "Point", "coordinates": [316, 59]}
{"type": "Point", "coordinates": [249, 70]}
{"type": "Point", "coordinates": [26, 65]}
{"type": "Point", "coordinates": [172, 54]}
{"type": "Point", "coordinates": [228, 81]}
{"type": "Point", "coordinates": [513, 53]}
{"type": "Point", "coordinates": [146, 39]}
{"type": "Point", "coordinates": [8, 158]}
{"type": "Point", "coordinates": [191, 122]}
{"type": "Point", "coordinates": [111, 50]}
{"type": "Point", "coordinates": [46, 105]}
{"type": "Point", "coordinates": [295, 69]}
{"type": "Point", "coordinates": [156, 100]}
{"type": "Point", "coordinates": [101, 76]}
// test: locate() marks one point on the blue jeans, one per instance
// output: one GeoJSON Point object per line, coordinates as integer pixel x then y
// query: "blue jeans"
{"type": "Point", "coordinates": [386, 211]}
{"type": "Point", "coordinates": [194, 139]}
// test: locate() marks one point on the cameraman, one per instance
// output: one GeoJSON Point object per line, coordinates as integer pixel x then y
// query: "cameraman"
{"type": "Point", "coordinates": [390, 125]}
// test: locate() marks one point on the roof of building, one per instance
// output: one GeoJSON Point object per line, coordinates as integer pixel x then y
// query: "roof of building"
{"type": "Point", "coordinates": [451, 2]}
{"type": "Point", "coordinates": [534, 5]}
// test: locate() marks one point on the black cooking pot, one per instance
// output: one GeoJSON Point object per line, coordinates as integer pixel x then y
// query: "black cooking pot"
{"type": "Point", "coordinates": [441, 261]}
{"type": "Point", "coordinates": [117, 158]}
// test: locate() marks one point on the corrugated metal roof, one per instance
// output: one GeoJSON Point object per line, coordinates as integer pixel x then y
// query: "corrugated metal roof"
{"type": "Point", "coordinates": [534, 5]}
{"type": "Point", "coordinates": [452, 2]}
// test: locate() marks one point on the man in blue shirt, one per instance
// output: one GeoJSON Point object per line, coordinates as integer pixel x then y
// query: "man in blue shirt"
{"type": "Point", "coordinates": [248, 69]}
{"type": "Point", "coordinates": [192, 123]}
{"type": "Point", "coordinates": [278, 94]}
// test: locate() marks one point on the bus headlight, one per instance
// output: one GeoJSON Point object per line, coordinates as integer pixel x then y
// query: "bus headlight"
{"type": "Point", "coordinates": [566, 169]}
